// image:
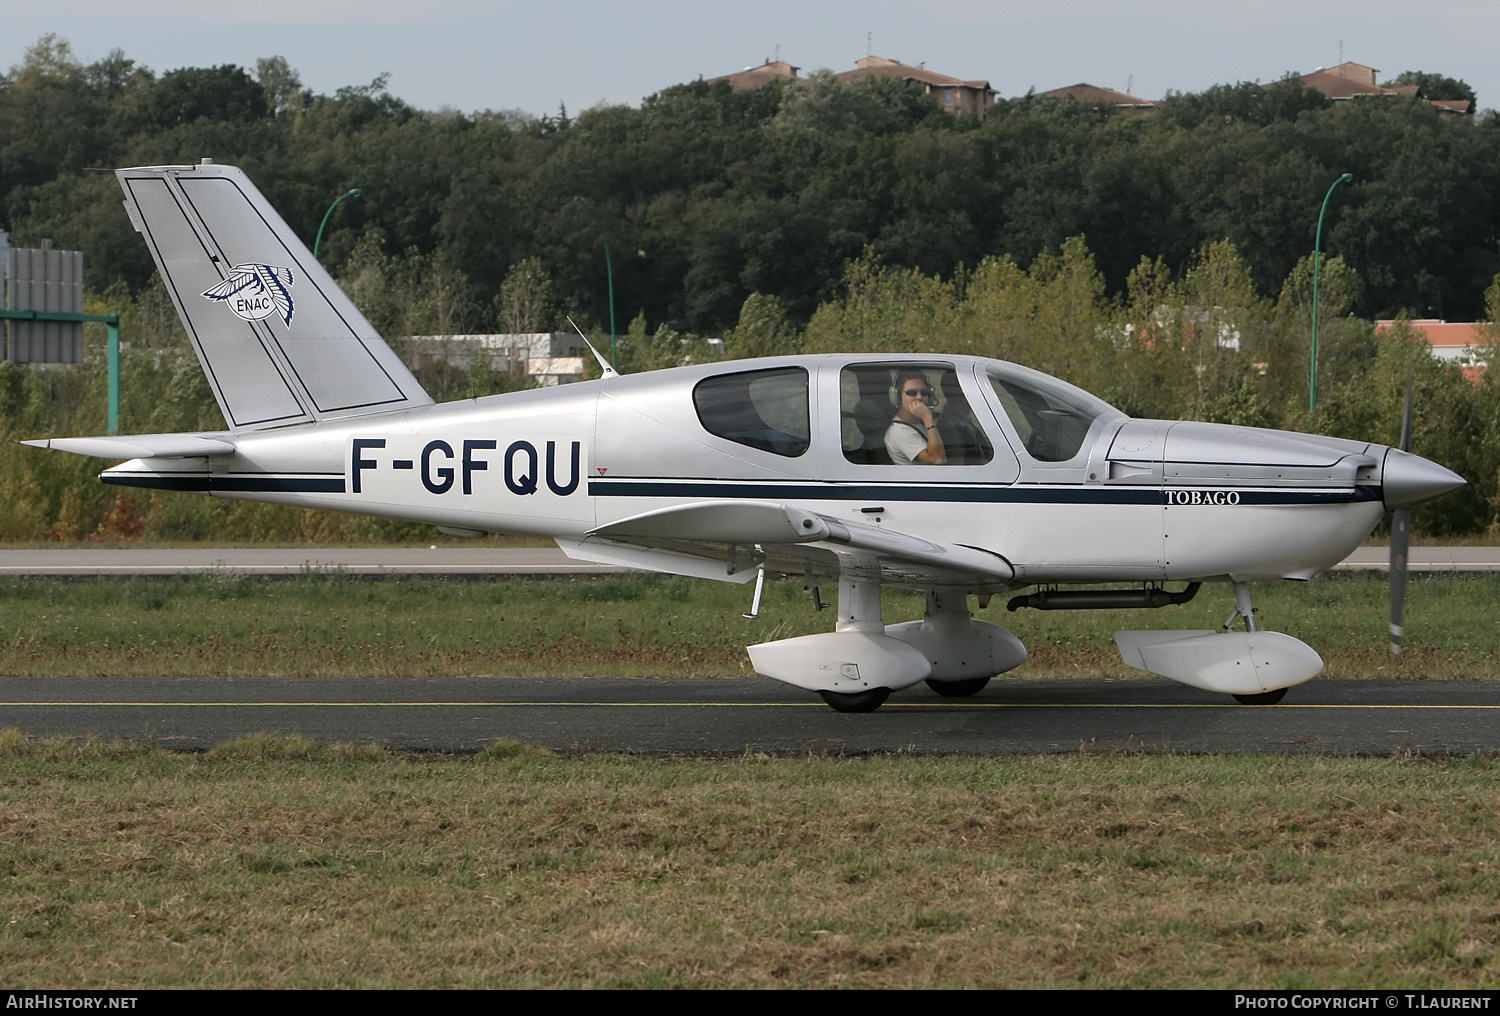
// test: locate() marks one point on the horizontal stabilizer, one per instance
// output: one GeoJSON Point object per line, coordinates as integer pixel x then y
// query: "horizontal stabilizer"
{"type": "Point", "coordinates": [138, 446]}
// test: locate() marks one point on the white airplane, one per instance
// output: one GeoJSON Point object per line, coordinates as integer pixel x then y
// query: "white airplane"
{"type": "Point", "coordinates": [952, 475]}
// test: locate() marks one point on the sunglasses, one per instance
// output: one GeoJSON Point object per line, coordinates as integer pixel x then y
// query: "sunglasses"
{"type": "Point", "coordinates": [919, 391]}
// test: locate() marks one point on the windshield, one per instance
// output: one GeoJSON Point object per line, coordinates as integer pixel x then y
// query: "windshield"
{"type": "Point", "coordinates": [1051, 416]}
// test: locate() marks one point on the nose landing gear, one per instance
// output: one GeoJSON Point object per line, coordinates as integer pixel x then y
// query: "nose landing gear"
{"type": "Point", "coordinates": [1254, 666]}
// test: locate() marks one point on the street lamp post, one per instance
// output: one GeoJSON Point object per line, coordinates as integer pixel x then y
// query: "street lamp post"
{"type": "Point", "coordinates": [319, 241]}
{"type": "Point", "coordinates": [609, 271]}
{"type": "Point", "coordinates": [1312, 378]}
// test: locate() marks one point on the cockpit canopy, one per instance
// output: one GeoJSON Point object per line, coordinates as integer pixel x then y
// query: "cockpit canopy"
{"type": "Point", "coordinates": [979, 408]}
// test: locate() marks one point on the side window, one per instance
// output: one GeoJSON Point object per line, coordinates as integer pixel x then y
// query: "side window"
{"type": "Point", "coordinates": [875, 432]}
{"type": "Point", "coordinates": [765, 409]}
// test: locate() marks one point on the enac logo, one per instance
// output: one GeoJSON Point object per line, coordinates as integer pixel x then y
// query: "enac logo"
{"type": "Point", "coordinates": [255, 291]}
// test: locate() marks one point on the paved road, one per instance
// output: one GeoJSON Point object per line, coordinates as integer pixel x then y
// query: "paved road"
{"type": "Point", "coordinates": [480, 561]}
{"type": "Point", "coordinates": [1428, 559]}
{"type": "Point", "coordinates": [293, 561]}
{"type": "Point", "coordinates": [731, 716]}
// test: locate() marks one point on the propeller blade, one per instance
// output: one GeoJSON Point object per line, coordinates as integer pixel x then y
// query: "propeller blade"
{"type": "Point", "coordinates": [1400, 538]}
{"type": "Point", "coordinates": [1406, 416]}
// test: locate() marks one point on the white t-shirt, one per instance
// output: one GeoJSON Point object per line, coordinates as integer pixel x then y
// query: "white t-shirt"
{"type": "Point", "coordinates": [905, 441]}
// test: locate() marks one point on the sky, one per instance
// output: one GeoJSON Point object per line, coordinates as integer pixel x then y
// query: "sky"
{"type": "Point", "coordinates": [533, 56]}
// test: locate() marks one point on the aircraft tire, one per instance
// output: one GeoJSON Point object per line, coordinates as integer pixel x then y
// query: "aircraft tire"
{"type": "Point", "coordinates": [856, 701]}
{"type": "Point", "coordinates": [958, 689]}
{"type": "Point", "coordinates": [1265, 698]}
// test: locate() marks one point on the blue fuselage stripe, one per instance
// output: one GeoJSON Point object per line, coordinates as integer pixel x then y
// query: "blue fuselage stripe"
{"type": "Point", "coordinates": [1173, 496]}
{"type": "Point", "coordinates": [1008, 494]}
{"type": "Point", "coordinates": [208, 484]}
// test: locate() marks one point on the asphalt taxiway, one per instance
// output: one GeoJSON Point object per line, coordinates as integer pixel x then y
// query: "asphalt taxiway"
{"type": "Point", "coordinates": [718, 716]}
{"type": "Point", "coordinates": [728, 716]}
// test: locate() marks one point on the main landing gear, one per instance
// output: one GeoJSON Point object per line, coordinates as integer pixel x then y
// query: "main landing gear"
{"type": "Point", "coordinates": [856, 701]}
{"type": "Point", "coordinates": [958, 689]}
{"type": "Point", "coordinates": [855, 667]}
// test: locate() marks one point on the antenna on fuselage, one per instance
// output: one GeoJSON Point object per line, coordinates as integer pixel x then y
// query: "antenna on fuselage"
{"type": "Point", "coordinates": [609, 371]}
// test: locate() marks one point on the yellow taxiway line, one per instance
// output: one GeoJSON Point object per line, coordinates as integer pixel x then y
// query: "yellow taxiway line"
{"type": "Point", "coordinates": [737, 705]}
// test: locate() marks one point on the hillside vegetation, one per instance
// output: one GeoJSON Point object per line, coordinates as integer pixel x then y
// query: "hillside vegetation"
{"type": "Point", "coordinates": [1162, 261]}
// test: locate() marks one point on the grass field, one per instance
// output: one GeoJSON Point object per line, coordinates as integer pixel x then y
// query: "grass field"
{"type": "Point", "coordinates": [281, 864]}
{"type": "Point", "coordinates": [327, 624]}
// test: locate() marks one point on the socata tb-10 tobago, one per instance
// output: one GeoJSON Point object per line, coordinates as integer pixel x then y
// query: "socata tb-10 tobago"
{"type": "Point", "coordinates": [955, 476]}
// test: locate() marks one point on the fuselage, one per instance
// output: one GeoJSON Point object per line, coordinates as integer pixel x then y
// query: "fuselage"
{"type": "Point", "coordinates": [1061, 485]}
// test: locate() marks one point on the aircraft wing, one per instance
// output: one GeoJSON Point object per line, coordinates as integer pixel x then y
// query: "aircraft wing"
{"type": "Point", "coordinates": [727, 540]}
{"type": "Point", "coordinates": [139, 446]}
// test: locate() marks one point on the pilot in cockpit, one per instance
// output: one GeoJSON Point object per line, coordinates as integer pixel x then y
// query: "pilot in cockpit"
{"type": "Point", "coordinates": [912, 436]}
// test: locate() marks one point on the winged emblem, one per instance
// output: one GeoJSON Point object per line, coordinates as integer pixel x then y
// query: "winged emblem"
{"type": "Point", "coordinates": [256, 291]}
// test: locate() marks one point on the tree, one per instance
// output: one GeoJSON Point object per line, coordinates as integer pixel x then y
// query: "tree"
{"type": "Point", "coordinates": [884, 310]}
{"type": "Point", "coordinates": [525, 301]}
{"type": "Point", "coordinates": [52, 123]}
{"type": "Point", "coordinates": [1434, 86]}
{"type": "Point", "coordinates": [639, 350]}
{"type": "Point", "coordinates": [48, 60]}
{"type": "Point", "coordinates": [1153, 376]}
{"type": "Point", "coordinates": [1247, 103]}
{"type": "Point", "coordinates": [763, 330]}
{"type": "Point", "coordinates": [113, 75]}
{"type": "Point", "coordinates": [1344, 343]}
{"type": "Point", "coordinates": [1418, 225]}
{"type": "Point", "coordinates": [224, 93]}
{"type": "Point", "coordinates": [280, 85]}
{"type": "Point", "coordinates": [1487, 411]}
{"type": "Point", "coordinates": [1224, 322]}
{"type": "Point", "coordinates": [1444, 423]}
{"type": "Point", "coordinates": [1069, 330]}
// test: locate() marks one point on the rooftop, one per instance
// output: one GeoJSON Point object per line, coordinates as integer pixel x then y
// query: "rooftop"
{"type": "Point", "coordinates": [1094, 95]}
{"type": "Point", "coordinates": [879, 66]}
{"type": "Point", "coordinates": [754, 77]}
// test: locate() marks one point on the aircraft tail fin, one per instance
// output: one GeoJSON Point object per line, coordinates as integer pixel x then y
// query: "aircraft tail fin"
{"type": "Point", "coordinates": [280, 342]}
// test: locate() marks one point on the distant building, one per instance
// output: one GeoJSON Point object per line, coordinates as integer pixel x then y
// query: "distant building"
{"type": "Point", "coordinates": [1095, 97]}
{"type": "Point", "coordinates": [952, 94]}
{"type": "Point", "coordinates": [1350, 80]}
{"type": "Point", "coordinates": [754, 77]}
{"type": "Point", "coordinates": [548, 358]}
{"type": "Point", "coordinates": [42, 279]}
{"type": "Point", "coordinates": [1187, 325]}
{"type": "Point", "coordinates": [1457, 342]}
{"type": "Point", "coordinates": [1453, 107]}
